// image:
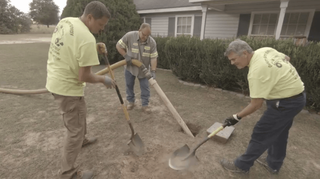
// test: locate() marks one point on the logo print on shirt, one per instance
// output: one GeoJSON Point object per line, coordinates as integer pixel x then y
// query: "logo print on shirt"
{"type": "Point", "coordinates": [59, 30]}
{"type": "Point", "coordinates": [272, 60]}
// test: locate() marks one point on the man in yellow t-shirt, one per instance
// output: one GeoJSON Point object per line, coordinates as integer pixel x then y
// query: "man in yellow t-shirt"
{"type": "Point", "coordinates": [72, 53]}
{"type": "Point", "coordinates": [272, 78]}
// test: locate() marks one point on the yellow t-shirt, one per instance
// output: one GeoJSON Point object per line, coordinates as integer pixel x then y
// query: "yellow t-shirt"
{"type": "Point", "coordinates": [271, 76]}
{"type": "Point", "coordinates": [72, 46]}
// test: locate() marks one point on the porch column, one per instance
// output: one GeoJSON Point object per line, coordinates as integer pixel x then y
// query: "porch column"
{"type": "Point", "coordinates": [204, 20]}
{"type": "Point", "coordinates": [283, 6]}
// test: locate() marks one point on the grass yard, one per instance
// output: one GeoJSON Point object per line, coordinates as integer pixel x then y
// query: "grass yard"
{"type": "Point", "coordinates": [42, 29]}
{"type": "Point", "coordinates": [32, 132]}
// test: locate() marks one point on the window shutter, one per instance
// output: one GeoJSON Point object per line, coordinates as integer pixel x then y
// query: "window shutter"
{"type": "Point", "coordinates": [244, 23]}
{"type": "Point", "coordinates": [171, 26]}
{"type": "Point", "coordinates": [314, 34]}
{"type": "Point", "coordinates": [197, 26]}
{"type": "Point", "coordinates": [148, 20]}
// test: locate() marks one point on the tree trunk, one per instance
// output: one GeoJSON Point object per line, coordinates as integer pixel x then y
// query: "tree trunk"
{"type": "Point", "coordinates": [48, 25]}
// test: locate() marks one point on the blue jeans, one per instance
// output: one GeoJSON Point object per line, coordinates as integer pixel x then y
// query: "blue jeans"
{"type": "Point", "coordinates": [144, 86]}
{"type": "Point", "coordinates": [271, 133]}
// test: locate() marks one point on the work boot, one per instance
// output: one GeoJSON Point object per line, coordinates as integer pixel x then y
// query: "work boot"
{"type": "Point", "coordinates": [83, 175]}
{"type": "Point", "coordinates": [146, 109]}
{"type": "Point", "coordinates": [88, 141]}
{"type": "Point", "coordinates": [263, 162]}
{"type": "Point", "coordinates": [231, 166]}
{"type": "Point", "coordinates": [130, 106]}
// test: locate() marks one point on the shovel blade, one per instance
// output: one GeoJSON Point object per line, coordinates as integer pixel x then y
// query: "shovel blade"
{"type": "Point", "coordinates": [136, 145]}
{"type": "Point", "coordinates": [182, 159]}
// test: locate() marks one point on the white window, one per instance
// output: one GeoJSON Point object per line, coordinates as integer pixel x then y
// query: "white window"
{"type": "Point", "coordinates": [295, 24]}
{"type": "Point", "coordinates": [184, 25]}
{"type": "Point", "coordinates": [264, 24]}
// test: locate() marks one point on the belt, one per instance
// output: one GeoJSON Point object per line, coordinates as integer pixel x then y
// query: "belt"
{"type": "Point", "coordinates": [295, 96]}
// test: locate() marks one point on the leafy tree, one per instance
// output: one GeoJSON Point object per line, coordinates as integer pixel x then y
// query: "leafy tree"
{"type": "Point", "coordinates": [44, 12]}
{"type": "Point", "coordinates": [4, 17]}
{"type": "Point", "coordinates": [25, 23]}
{"type": "Point", "coordinates": [12, 20]}
{"type": "Point", "coordinates": [124, 18]}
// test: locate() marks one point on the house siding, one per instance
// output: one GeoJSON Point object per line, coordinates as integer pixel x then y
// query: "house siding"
{"type": "Point", "coordinates": [248, 8]}
{"type": "Point", "coordinates": [159, 26]}
{"type": "Point", "coordinates": [160, 22]}
{"type": "Point", "coordinates": [226, 24]}
{"type": "Point", "coordinates": [306, 4]}
{"type": "Point", "coordinates": [272, 6]}
{"type": "Point", "coordinates": [221, 25]}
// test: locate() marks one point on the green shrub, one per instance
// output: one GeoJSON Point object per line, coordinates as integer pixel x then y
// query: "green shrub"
{"type": "Point", "coordinates": [216, 69]}
{"type": "Point", "coordinates": [162, 60]}
{"type": "Point", "coordinates": [204, 62]}
{"type": "Point", "coordinates": [184, 57]}
{"type": "Point", "coordinates": [307, 62]}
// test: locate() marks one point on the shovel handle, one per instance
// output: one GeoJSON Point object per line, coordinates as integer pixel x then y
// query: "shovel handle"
{"type": "Point", "coordinates": [118, 91]}
{"type": "Point", "coordinates": [208, 137]}
{"type": "Point", "coordinates": [215, 132]}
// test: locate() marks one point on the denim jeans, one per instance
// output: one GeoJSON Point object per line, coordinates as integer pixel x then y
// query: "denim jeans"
{"type": "Point", "coordinates": [271, 133]}
{"type": "Point", "coordinates": [144, 87]}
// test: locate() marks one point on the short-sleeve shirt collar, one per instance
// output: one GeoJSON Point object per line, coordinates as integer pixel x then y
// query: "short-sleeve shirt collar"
{"type": "Point", "coordinates": [137, 37]}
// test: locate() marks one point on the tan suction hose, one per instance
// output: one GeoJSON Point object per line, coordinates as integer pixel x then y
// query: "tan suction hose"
{"type": "Point", "coordinates": [106, 70]}
{"type": "Point", "coordinates": [44, 90]}
{"type": "Point", "coordinates": [17, 91]}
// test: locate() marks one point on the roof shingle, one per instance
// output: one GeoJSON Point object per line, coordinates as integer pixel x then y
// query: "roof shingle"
{"type": "Point", "coordinates": [161, 4]}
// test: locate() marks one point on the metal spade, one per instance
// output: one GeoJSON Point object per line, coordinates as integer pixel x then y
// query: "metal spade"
{"type": "Point", "coordinates": [182, 158]}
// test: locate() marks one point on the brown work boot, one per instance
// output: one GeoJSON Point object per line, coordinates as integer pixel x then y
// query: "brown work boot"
{"type": "Point", "coordinates": [146, 109]}
{"type": "Point", "coordinates": [263, 162]}
{"type": "Point", "coordinates": [130, 106]}
{"type": "Point", "coordinates": [88, 141]}
{"type": "Point", "coordinates": [83, 175]}
{"type": "Point", "coordinates": [228, 165]}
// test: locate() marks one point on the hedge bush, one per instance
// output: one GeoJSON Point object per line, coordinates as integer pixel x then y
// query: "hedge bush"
{"type": "Point", "coordinates": [185, 61]}
{"type": "Point", "coordinates": [162, 60]}
{"type": "Point", "coordinates": [204, 62]}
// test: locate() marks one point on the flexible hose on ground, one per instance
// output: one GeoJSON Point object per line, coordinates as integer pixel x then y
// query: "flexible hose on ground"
{"type": "Point", "coordinates": [44, 90]}
{"type": "Point", "coordinates": [106, 70]}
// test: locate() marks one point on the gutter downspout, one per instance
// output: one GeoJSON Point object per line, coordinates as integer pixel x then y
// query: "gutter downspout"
{"type": "Point", "coordinates": [204, 20]}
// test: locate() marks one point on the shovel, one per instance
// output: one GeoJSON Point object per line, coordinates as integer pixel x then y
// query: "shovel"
{"type": "Point", "coordinates": [135, 143]}
{"type": "Point", "coordinates": [182, 158]}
